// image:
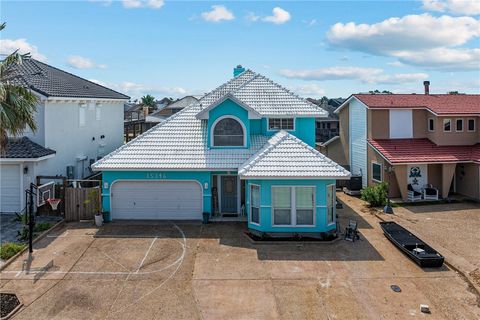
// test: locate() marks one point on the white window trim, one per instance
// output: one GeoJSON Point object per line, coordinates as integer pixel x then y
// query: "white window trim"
{"type": "Point", "coordinates": [293, 207]}
{"type": "Point", "coordinates": [444, 122]}
{"type": "Point", "coordinates": [334, 207]}
{"type": "Point", "coordinates": [276, 130]}
{"type": "Point", "coordinates": [381, 172]}
{"type": "Point", "coordinates": [82, 107]}
{"type": "Point", "coordinates": [428, 124]}
{"type": "Point", "coordinates": [463, 125]}
{"type": "Point", "coordinates": [259, 207]}
{"type": "Point", "coordinates": [212, 139]}
{"type": "Point", "coordinates": [474, 124]}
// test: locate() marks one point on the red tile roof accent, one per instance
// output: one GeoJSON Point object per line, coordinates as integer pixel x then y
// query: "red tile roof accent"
{"type": "Point", "coordinates": [424, 151]}
{"type": "Point", "coordinates": [441, 104]}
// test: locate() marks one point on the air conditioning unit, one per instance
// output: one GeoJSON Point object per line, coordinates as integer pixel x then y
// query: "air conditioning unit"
{"type": "Point", "coordinates": [70, 172]}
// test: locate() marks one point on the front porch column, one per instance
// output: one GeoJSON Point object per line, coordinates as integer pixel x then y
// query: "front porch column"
{"type": "Point", "coordinates": [448, 170]}
{"type": "Point", "coordinates": [401, 175]}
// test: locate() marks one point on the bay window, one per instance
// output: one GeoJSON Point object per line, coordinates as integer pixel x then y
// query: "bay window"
{"type": "Point", "coordinates": [293, 206]}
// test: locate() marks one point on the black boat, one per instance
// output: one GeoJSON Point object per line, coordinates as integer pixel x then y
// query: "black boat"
{"type": "Point", "coordinates": [417, 250]}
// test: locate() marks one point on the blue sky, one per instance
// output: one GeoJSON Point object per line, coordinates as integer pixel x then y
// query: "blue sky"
{"type": "Point", "coordinates": [331, 48]}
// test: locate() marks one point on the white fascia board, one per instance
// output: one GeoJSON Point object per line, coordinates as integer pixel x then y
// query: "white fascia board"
{"type": "Point", "coordinates": [252, 113]}
{"type": "Point", "coordinates": [294, 178]}
{"type": "Point", "coordinates": [27, 159]}
{"type": "Point", "coordinates": [347, 102]}
{"type": "Point", "coordinates": [96, 169]}
{"type": "Point", "coordinates": [61, 99]}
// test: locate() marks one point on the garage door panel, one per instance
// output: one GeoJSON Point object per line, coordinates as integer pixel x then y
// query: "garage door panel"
{"type": "Point", "coordinates": [10, 188]}
{"type": "Point", "coordinates": [172, 200]}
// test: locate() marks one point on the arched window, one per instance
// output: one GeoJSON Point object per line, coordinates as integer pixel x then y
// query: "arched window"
{"type": "Point", "coordinates": [228, 132]}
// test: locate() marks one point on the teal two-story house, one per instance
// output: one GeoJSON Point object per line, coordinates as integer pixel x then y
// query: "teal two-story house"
{"type": "Point", "coordinates": [246, 149]}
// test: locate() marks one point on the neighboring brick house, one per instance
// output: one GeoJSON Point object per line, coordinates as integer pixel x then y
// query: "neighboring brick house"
{"type": "Point", "coordinates": [412, 139]}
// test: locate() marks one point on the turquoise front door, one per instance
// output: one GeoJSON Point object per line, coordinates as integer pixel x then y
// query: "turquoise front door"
{"type": "Point", "coordinates": [229, 194]}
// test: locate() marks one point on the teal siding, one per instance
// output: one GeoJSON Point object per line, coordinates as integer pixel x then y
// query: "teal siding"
{"type": "Point", "coordinates": [256, 126]}
{"type": "Point", "coordinates": [202, 177]}
{"type": "Point", "coordinates": [266, 224]}
{"type": "Point", "coordinates": [304, 130]}
{"type": "Point", "coordinates": [229, 108]}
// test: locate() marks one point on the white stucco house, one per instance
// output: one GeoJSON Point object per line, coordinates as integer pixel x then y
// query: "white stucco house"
{"type": "Point", "coordinates": [78, 123]}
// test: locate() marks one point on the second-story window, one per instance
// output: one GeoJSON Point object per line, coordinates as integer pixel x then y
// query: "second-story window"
{"type": "Point", "coordinates": [431, 124]}
{"type": "Point", "coordinates": [447, 125]}
{"type": "Point", "coordinates": [471, 125]}
{"type": "Point", "coordinates": [280, 124]}
{"type": "Point", "coordinates": [459, 125]}
{"type": "Point", "coordinates": [228, 132]}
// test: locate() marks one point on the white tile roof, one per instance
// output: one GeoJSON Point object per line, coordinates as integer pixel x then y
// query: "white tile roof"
{"type": "Point", "coordinates": [266, 97]}
{"type": "Point", "coordinates": [179, 143]}
{"type": "Point", "coordinates": [286, 156]}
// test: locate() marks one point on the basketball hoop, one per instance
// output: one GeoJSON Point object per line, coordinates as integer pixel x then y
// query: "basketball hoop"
{"type": "Point", "coordinates": [54, 203]}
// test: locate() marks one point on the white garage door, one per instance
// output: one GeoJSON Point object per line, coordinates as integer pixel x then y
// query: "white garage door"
{"type": "Point", "coordinates": [10, 188]}
{"type": "Point", "coordinates": [169, 200]}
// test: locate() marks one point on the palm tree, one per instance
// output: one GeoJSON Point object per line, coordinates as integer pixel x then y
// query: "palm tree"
{"type": "Point", "coordinates": [149, 101]}
{"type": "Point", "coordinates": [17, 103]}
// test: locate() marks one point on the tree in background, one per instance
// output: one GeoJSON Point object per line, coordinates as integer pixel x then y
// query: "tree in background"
{"type": "Point", "coordinates": [17, 102]}
{"type": "Point", "coordinates": [149, 101]}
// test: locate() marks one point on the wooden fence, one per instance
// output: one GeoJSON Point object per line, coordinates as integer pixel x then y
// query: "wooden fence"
{"type": "Point", "coordinates": [82, 203]}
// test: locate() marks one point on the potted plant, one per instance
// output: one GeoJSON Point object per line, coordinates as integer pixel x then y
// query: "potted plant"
{"type": "Point", "coordinates": [93, 198]}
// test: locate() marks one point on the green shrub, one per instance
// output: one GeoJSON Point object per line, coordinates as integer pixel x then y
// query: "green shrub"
{"type": "Point", "coordinates": [9, 249]}
{"type": "Point", "coordinates": [376, 195]}
{"type": "Point", "coordinates": [42, 226]}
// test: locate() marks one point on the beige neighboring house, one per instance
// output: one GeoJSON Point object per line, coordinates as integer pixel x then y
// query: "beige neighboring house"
{"type": "Point", "coordinates": [172, 108]}
{"type": "Point", "coordinates": [412, 141]}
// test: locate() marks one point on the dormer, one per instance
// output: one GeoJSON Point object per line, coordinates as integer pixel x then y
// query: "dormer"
{"type": "Point", "coordinates": [228, 123]}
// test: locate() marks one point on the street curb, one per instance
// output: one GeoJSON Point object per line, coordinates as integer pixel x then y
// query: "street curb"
{"type": "Point", "coordinates": [40, 237]}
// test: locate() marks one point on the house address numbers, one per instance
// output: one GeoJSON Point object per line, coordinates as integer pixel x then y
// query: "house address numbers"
{"type": "Point", "coordinates": [156, 175]}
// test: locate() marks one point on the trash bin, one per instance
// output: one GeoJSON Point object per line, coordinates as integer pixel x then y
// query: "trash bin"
{"type": "Point", "coordinates": [206, 217]}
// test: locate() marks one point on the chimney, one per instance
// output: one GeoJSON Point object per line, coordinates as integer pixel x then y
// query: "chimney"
{"type": "Point", "coordinates": [145, 111]}
{"type": "Point", "coordinates": [426, 84]}
{"type": "Point", "coordinates": [238, 70]}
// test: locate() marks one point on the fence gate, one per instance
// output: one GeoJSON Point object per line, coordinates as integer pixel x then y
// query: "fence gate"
{"type": "Point", "coordinates": [82, 203]}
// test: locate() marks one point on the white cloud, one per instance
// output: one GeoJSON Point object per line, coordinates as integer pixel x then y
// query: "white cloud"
{"type": "Point", "coordinates": [252, 17]}
{"type": "Point", "coordinates": [464, 7]}
{"type": "Point", "coordinates": [411, 36]}
{"type": "Point", "coordinates": [8, 46]}
{"type": "Point", "coordinates": [137, 89]}
{"type": "Point", "coordinates": [279, 16]}
{"type": "Point", "coordinates": [446, 59]}
{"type": "Point", "coordinates": [217, 14]}
{"type": "Point", "coordinates": [365, 75]}
{"type": "Point", "coordinates": [133, 4]}
{"type": "Point", "coordinates": [310, 89]}
{"type": "Point", "coordinates": [79, 62]}
{"type": "Point", "coordinates": [396, 64]}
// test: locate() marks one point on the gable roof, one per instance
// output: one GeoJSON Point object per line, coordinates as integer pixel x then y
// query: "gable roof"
{"type": "Point", "coordinates": [439, 104]}
{"type": "Point", "coordinates": [23, 148]}
{"type": "Point", "coordinates": [286, 156]}
{"type": "Point", "coordinates": [52, 82]}
{"type": "Point", "coordinates": [398, 151]}
{"type": "Point", "coordinates": [263, 95]}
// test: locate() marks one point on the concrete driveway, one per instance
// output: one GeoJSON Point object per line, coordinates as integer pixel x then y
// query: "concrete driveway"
{"type": "Point", "coordinates": [189, 271]}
